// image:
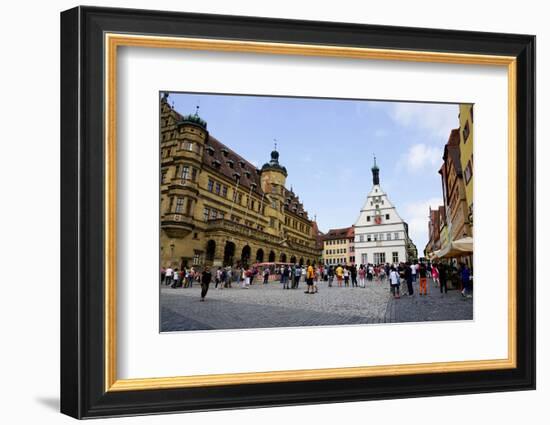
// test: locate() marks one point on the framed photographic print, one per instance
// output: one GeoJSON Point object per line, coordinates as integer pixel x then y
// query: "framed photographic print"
{"type": "Point", "coordinates": [261, 212]}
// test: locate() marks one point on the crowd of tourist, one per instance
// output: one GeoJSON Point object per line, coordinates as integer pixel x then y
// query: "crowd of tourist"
{"type": "Point", "coordinates": [401, 277]}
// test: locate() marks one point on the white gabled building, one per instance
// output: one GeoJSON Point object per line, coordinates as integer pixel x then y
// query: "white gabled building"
{"type": "Point", "coordinates": [381, 235]}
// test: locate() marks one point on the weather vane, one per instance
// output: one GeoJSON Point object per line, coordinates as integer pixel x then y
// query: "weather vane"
{"type": "Point", "coordinates": [275, 143]}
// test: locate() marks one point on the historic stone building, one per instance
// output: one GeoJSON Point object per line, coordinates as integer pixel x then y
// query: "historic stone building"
{"type": "Point", "coordinates": [381, 235]}
{"type": "Point", "coordinates": [216, 208]}
{"type": "Point", "coordinates": [339, 246]}
{"type": "Point", "coordinates": [466, 117]}
{"type": "Point", "coordinates": [454, 190]}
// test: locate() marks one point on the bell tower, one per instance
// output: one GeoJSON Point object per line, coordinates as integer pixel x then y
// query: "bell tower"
{"type": "Point", "coordinates": [272, 179]}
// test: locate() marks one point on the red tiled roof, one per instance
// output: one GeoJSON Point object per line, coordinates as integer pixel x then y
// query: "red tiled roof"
{"type": "Point", "coordinates": [219, 157]}
{"type": "Point", "coordinates": [452, 149]}
{"type": "Point", "coordinates": [343, 233]}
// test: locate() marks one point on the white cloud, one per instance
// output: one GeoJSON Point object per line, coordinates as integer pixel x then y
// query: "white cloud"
{"type": "Point", "coordinates": [434, 120]}
{"type": "Point", "coordinates": [421, 156]}
{"type": "Point", "coordinates": [416, 215]}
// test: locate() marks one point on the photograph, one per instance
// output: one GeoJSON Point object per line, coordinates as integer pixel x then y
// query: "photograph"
{"type": "Point", "coordinates": [281, 212]}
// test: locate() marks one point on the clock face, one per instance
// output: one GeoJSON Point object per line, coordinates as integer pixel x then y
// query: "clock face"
{"type": "Point", "coordinates": [378, 219]}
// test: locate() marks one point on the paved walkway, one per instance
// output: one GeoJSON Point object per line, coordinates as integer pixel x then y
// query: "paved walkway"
{"type": "Point", "coordinates": [267, 306]}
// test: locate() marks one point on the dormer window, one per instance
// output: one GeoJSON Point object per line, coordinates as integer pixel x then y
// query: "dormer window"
{"type": "Point", "coordinates": [225, 152]}
{"type": "Point", "coordinates": [236, 176]}
{"type": "Point", "coordinates": [254, 186]}
{"type": "Point", "coordinates": [216, 163]}
{"type": "Point", "coordinates": [231, 163]}
{"type": "Point", "coordinates": [242, 164]}
{"type": "Point", "coordinates": [247, 174]}
{"type": "Point", "coordinates": [210, 150]}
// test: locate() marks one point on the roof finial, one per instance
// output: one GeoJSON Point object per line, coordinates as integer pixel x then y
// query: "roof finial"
{"type": "Point", "coordinates": [197, 110]}
{"type": "Point", "coordinates": [275, 144]}
{"type": "Point", "coordinates": [374, 159]}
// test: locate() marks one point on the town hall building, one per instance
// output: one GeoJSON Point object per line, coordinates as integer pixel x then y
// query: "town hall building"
{"type": "Point", "coordinates": [381, 235]}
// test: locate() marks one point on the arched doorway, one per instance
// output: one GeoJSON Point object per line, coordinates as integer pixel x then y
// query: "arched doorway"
{"type": "Point", "coordinates": [210, 250]}
{"type": "Point", "coordinates": [228, 253]}
{"type": "Point", "coordinates": [260, 255]}
{"type": "Point", "coordinates": [301, 262]}
{"type": "Point", "coordinates": [293, 259]}
{"type": "Point", "coordinates": [308, 262]}
{"type": "Point", "coordinates": [245, 256]}
{"type": "Point", "coordinates": [271, 257]}
{"type": "Point", "coordinates": [282, 257]}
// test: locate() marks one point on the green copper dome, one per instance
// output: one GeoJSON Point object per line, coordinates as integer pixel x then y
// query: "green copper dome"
{"type": "Point", "coordinates": [274, 164]}
{"type": "Point", "coordinates": [193, 119]}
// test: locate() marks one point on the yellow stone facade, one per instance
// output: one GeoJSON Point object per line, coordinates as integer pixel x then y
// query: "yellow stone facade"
{"type": "Point", "coordinates": [218, 209]}
{"type": "Point", "coordinates": [466, 117]}
{"type": "Point", "coordinates": [339, 247]}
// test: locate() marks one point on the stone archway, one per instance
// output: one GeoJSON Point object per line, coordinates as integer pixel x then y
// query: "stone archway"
{"type": "Point", "coordinates": [229, 254]}
{"type": "Point", "coordinates": [301, 261]}
{"type": "Point", "coordinates": [245, 256]}
{"type": "Point", "coordinates": [308, 263]}
{"type": "Point", "coordinates": [282, 257]}
{"type": "Point", "coordinates": [271, 257]}
{"type": "Point", "coordinates": [260, 255]}
{"type": "Point", "coordinates": [210, 250]}
{"type": "Point", "coordinates": [293, 259]}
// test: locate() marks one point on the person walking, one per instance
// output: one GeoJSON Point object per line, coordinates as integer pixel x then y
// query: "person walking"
{"type": "Point", "coordinates": [206, 277]}
{"type": "Point", "coordinates": [408, 278]}
{"type": "Point", "coordinates": [285, 276]}
{"type": "Point", "coordinates": [330, 276]}
{"type": "Point", "coordinates": [465, 278]}
{"type": "Point", "coordinates": [353, 275]}
{"type": "Point", "coordinates": [442, 273]}
{"type": "Point", "coordinates": [317, 281]}
{"type": "Point", "coordinates": [169, 276]}
{"type": "Point", "coordinates": [310, 274]}
{"type": "Point", "coordinates": [339, 275]}
{"type": "Point", "coordinates": [423, 279]}
{"type": "Point", "coordinates": [162, 275]}
{"type": "Point", "coordinates": [297, 275]}
{"type": "Point", "coordinates": [218, 277]}
{"type": "Point", "coordinates": [435, 275]}
{"type": "Point", "coordinates": [413, 271]}
{"type": "Point", "coordinates": [176, 279]}
{"type": "Point", "coordinates": [266, 275]}
{"type": "Point", "coordinates": [346, 276]}
{"type": "Point", "coordinates": [394, 282]}
{"type": "Point", "coordinates": [362, 273]}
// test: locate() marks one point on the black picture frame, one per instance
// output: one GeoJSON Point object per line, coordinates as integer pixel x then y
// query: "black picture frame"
{"type": "Point", "coordinates": [83, 392]}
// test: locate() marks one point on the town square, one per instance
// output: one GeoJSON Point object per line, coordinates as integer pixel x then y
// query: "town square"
{"type": "Point", "coordinates": [239, 249]}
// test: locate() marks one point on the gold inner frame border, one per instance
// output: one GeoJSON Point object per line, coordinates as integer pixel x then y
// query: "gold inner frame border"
{"type": "Point", "coordinates": [113, 40]}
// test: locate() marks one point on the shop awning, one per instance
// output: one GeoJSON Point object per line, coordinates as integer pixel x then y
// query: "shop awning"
{"type": "Point", "coordinates": [456, 248]}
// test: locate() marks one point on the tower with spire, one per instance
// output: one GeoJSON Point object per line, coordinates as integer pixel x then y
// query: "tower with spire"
{"type": "Point", "coordinates": [381, 235]}
{"type": "Point", "coordinates": [273, 179]}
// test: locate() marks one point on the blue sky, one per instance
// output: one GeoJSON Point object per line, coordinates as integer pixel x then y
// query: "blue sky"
{"type": "Point", "coordinates": [327, 146]}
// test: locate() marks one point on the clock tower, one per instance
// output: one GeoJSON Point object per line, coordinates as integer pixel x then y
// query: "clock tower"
{"type": "Point", "coordinates": [381, 235]}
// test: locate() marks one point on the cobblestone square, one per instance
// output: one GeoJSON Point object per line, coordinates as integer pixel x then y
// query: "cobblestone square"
{"type": "Point", "coordinates": [268, 306]}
